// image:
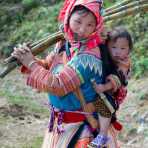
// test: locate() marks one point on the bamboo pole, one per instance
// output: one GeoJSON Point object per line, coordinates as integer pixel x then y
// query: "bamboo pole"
{"type": "Point", "coordinates": [134, 10]}
{"type": "Point", "coordinates": [52, 37]}
{"type": "Point", "coordinates": [11, 63]}
{"type": "Point", "coordinates": [41, 45]}
{"type": "Point", "coordinates": [8, 68]}
{"type": "Point", "coordinates": [118, 5]}
{"type": "Point", "coordinates": [126, 7]}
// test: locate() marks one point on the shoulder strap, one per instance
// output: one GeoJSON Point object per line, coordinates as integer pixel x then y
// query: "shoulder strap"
{"type": "Point", "coordinates": [92, 121]}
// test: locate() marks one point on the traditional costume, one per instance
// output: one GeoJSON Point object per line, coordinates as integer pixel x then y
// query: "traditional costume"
{"type": "Point", "coordinates": [61, 76]}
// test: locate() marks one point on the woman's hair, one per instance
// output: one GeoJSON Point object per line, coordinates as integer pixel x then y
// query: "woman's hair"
{"type": "Point", "coordinates": [119, 32]}
{"type": "Point", "coordinates": [82, 10]}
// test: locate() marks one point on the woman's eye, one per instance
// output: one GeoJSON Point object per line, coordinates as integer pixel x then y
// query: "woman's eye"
{"type": "Point", "coordinates": [90, 25]}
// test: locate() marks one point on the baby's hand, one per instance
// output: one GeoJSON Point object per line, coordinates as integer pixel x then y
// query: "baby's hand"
{"type": "Point", "coordinates": [99, 88]}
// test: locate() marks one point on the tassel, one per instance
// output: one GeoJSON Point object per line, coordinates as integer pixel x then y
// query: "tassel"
{"type": "Point", "coordinates": [60, 128]}
{"type": "Point", "coordinates": [117, 125]}
{"type": "Point", "coordinates": [52, 119]}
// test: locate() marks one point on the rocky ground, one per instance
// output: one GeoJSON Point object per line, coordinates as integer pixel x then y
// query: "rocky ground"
{"type": "Point", "coordinates": [22, 127]}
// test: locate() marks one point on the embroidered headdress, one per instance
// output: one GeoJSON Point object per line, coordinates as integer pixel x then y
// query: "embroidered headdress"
{"type": "Point", "coordinates": [92, 5]}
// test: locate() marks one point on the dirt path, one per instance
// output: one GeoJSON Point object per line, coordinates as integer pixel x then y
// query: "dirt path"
{"type": "Point", "coordinates": [19, 127]}
{"type": "Point", "coordinates": [134, 115]}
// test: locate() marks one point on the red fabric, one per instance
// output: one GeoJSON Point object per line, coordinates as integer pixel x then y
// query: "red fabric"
{"type": "Point", "coordinates": [94, 39]}
{"type": "Point", "coordinates": [24, 69]}
{"type": "Point", "coordinates": [71, 117]}
{"type": "Point", "coordinates": [83, 142]}
{"type": "Point", "coordinates": [63, 10]}
{"type": "Point", "coordinates": [117, 125]}
{"type": "Point", "coordinates": [121, 94]}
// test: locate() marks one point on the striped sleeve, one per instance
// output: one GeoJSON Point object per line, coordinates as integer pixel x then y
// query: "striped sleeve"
{"type": "Point", "coordinates": [46, 63]}
{"type": "Point", "coordinates": [59, 84]}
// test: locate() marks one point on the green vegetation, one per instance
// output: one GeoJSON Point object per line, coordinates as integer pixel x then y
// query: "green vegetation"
{"type": "Point", "coordinates": [27, 102]}
{"type": "Point", "coordinates": [30, 20]}
{"type": "Point", "coordinates": [35, 143]}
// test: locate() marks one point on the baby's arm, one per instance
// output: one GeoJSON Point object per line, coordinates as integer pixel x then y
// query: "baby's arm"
{"type": "Point", "coordinates": [112, 84]}
{"type": "Point", "coordinates": [100, 88]}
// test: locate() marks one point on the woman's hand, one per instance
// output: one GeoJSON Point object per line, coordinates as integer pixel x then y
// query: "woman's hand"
{"type": "Point", "coordinates": [23, 54]}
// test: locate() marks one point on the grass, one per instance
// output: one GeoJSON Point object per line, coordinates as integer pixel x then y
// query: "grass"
{"type": "Point", "coordinates": [3, 120]}
{"type": "Point", "coordinates": [34, 143]}
{"type": "Point", "coordinates": [28, 103]}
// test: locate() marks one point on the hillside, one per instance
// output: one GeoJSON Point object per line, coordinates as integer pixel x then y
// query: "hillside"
{"type": "Point", "coordinates": [23, 111]}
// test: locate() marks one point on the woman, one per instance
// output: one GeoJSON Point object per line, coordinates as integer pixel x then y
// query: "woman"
{"type": "Point", "coordinates": [63, 77]}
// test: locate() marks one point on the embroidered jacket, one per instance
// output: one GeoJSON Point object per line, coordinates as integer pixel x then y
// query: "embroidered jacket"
{"type": "Point", "coordinates": [62, 80]}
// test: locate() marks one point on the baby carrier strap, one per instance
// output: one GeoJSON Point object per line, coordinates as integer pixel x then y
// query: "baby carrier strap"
{"type": "Point", "coordinates": [91, 120]}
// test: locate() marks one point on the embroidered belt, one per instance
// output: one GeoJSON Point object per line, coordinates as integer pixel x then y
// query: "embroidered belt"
{"type": "Point", "coordinates": [64, 117]}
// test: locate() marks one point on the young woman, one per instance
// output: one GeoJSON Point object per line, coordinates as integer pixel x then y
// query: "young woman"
{"type": "Point", "coordinates": [80, 63]}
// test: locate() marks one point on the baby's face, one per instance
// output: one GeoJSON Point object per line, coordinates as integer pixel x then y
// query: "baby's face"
{"type": "Point", "coordinates": [83, 24]}
{"type": "Point", "coordinates": [119, 49]}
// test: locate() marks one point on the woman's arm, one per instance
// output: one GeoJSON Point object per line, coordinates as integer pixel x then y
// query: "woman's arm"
{"type": "Point", "coordinates": [40, 78]}
{"type": "Point", "coordinates": [60, 84]}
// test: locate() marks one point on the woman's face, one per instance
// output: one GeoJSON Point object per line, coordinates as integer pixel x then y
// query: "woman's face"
{"type": "Point", "coordinates": [83, 24]}
{"type": "Point", "coordinates": [119, 49]}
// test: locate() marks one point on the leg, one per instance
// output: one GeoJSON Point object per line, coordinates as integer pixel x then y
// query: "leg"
{"type": "Point", "coordinates": [104, 125]}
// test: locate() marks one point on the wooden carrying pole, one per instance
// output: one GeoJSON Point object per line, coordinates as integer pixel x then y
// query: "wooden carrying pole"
{"type": "Point", "coordinates": [11, 63]}
{"type": "Point", "coordinates": [126, 7]}
{"type": "Point", "coordinates": [128, 12]}
{"type": "Point", "coordinates": [124, 2]}
{"type": "Point", "coordinates": [41, 45]}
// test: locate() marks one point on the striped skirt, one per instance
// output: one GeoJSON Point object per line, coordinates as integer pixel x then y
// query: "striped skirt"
{"type": "Point", "coordinates": [63, 140]}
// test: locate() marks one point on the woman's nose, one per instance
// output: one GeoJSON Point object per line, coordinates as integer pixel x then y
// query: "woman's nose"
{"type": "Point", "coordinates": [82, 30]}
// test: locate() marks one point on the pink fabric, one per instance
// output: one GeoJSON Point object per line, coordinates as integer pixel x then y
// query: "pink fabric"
{"type": "Point", "coordinates": [94, 6]}
{"type": "Point", "coordinates": [63, 10]}
{"type": "Point", "coordinates": [120, 94]}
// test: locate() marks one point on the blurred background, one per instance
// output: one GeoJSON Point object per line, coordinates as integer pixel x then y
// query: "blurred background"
{"type": "Point", "coordinates": [23, 111]}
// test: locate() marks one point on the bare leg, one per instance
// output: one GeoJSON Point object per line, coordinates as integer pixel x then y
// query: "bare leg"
{"type": "Point", "coordinates": [102, 137]}
{"type": "Point", "coordinates": [104, 125]}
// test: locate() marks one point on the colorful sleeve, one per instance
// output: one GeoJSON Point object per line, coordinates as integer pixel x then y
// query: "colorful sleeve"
{"type": "Point", "coordinates": [59, 84]}
{"type": "Point", "coordinates": [115, 81]}
{"type": "Point", "coordinates": [46, 63]}
{"type": "Point", "coordinates": [79, 70]}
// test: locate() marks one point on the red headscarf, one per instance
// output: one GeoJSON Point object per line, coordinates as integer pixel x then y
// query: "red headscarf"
{"type": "Point", "coordinates": [95, 7]}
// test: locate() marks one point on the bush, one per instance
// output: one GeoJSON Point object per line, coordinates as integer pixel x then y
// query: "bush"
{"type": "Point", "coordinates": [29, 4]}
